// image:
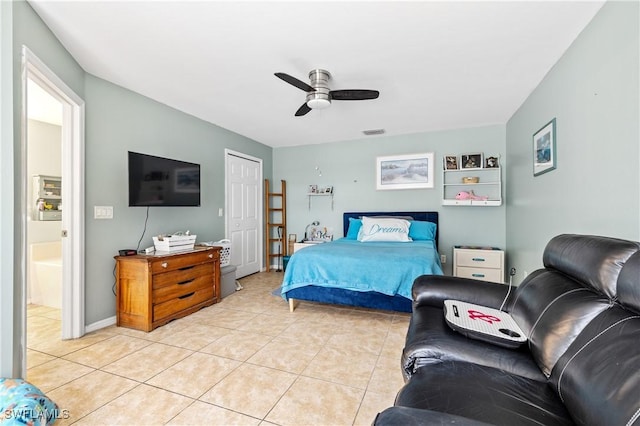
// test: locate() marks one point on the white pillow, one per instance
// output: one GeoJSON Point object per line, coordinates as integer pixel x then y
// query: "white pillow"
{"type": "Point", "coordinates": [384, 229]}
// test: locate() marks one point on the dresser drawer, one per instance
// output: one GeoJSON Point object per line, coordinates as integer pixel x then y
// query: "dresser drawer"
{"type": "Point", "coordinates": [484, 274]}
{"type": "Point", "coordinates": [183, 275]}
{"type": "Point", "coordinates": [181, 288]}
{"type": "Point", "coordinates": [162, 310]}
{"type": "Point", "coordinates": [171, 263]}
{"type": "Point", "coordinates": [479, 259]}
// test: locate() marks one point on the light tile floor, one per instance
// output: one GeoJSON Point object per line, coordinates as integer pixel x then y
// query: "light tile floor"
{"type": "Point", "coordinates": [244, 361]}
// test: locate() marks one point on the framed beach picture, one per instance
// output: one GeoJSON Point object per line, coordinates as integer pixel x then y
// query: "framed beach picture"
{"type": "Point", "coordinates": [412, 171]}
{"type": "Point", "coordinates": [544, 149]}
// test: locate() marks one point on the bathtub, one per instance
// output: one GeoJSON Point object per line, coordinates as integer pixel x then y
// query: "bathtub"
{"type": "Point", "coordinates": [45, 274]}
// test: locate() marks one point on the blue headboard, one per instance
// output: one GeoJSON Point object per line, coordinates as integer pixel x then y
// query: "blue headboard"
{"type": "Point", "coordinates": [424, 216]}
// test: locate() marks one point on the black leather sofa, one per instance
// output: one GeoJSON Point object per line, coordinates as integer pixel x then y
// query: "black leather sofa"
{"type": "Point", "coordinates": [580, 365]}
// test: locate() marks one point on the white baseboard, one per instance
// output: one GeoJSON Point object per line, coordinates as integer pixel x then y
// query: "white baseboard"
{"type": "Point", "coordinates": [100, 324]}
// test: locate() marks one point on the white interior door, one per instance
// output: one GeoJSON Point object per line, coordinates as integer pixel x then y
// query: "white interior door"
{"type": "Point", "coordinates": [244, 207]}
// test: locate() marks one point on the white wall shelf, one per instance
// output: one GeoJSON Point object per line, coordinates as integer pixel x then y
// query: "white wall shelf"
{"type": "Point", "coordinates": [489, 184]}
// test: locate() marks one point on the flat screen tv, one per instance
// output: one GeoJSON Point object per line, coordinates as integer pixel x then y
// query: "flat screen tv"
{"type": "Point", "coordinates": [157, 181]}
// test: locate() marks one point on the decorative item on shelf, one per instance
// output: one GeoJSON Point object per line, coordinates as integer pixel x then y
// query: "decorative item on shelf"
{"type": "Point", "coordinates": [470, 179]}
{"type": "Point", "coordinates": [471, 161]}
{"type": "Point", "coordinates": [469, 195]}
{"type": "Point", "coordinates": [491, 163]}
{"type": "Point", "coordinates": [450, 162]}
{"type": "Point", "coordinates": [174, 242]}
{"type": "Point", "coordinates": [316, 234]}
{"type": "Point", "coordinates": [313, 189]}
{"type": "Point", "coordinates": [310, 230]}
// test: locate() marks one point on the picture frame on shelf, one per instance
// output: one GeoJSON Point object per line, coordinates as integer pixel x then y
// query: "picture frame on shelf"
{"type": "Point", "coordinates": [313, 189]}
{"type": "Point", "coordinates": [328, 190]}
{"type": "Point", "coordinates": [491, 163]}
{"type": "Point", "coordinates": [544, 149]}
{"type": "Point", "coordinates": [451, 162]}
{"type": "Point", "coordinates": [411, 171]}
{"type": "Point", "coordinates": [471, 160]}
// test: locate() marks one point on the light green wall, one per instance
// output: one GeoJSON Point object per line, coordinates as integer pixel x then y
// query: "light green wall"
{"type": "Point", "coordinates": [593, 93]}
{"type": "Point", "coordinates": [349, 167]}
{"type": "Point", "coordinates": [118, 121]}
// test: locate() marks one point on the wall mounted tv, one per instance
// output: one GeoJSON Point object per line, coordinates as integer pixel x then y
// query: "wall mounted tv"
{"type": "Point", "coordinates": [157, 181]}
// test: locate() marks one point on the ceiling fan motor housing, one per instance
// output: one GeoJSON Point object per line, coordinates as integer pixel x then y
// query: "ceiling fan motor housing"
{"type": "Point", "coordinates": [320, 98]}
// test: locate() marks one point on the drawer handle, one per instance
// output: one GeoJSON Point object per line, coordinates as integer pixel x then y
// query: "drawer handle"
{"type": "Point", "coordinates": [187, 295]}
{"type": "Point", "coordinates": [186, 268]}
{"type": "Point", "coordinates": [478, 275]}
{"type": "Point", "coordinates": [477, 259]}
{"type": "Point", "coordinates": [164, 264]}
{"type": "Point", "coordinates": [187, 281]}
{"type": "Point", "coordinates": [210, 255]}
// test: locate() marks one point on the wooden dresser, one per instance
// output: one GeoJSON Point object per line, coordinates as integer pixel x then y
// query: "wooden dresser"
{"type": "Point", "coordinates": [152, 290]}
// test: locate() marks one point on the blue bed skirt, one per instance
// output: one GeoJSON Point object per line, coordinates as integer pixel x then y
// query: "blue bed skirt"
{"type": "Point", "coordinates": [341, 296]}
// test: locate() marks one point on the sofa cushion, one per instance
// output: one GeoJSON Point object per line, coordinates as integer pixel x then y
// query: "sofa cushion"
{"type": "Point", "coordinates": [552, 309]}
{"type": "Point", "coordinates": [430, 340]}
{"type": "Point", "coordinates": [483, 394]}
{"type": "Point", "coordinates": [598, 378]}
{"type": "Point", "coordinates": [406, 416]}
{"type": "Point", "coordinates": [628, 286]}
{"type": "Point", "coordinates": [593, 260]}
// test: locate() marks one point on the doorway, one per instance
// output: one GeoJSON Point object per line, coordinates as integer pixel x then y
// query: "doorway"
{"type": "Point", "coordinates": [37, 77]}
{"type": "Point", "coordinates": [43, 220]}
{"type": "Point", "coordinates": [243, 194]}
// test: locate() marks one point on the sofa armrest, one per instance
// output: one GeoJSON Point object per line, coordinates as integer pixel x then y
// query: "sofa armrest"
{"type": "Point", "coordinates": [433, 290]}
{"type": "Point", "coordinates": [406, 416]}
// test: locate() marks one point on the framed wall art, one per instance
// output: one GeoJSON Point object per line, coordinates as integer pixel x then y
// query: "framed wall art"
{"type": "Point", "coordinates": [544, 149]}
{"type": "Point", "coordinates": [413, 171]}
{"type": "Point", "coordinates": [451, 162]}
{"type": "Point", "coordinates": [471, 161]}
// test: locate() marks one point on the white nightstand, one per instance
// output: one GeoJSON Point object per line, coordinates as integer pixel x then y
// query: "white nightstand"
{"type": "Point", "coordinates": [300, 246]}
{"type": "Point", "coordinates": [480, 263]}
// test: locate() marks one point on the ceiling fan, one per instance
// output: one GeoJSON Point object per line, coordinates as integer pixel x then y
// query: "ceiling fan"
{"type": "Point", "coordinates": [318, 94]}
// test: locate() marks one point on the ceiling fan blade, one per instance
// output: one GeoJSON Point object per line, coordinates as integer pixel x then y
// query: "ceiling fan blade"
{"type": "Point", "coordinates": [354, 95]}
{"type": "Point", "coordinates": [303, 110]}
{"type": "Point", "coordinates": [295, 82]}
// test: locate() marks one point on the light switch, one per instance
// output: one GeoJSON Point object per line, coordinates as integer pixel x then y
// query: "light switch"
{"type": "Point", "coordinates": [103, 212]}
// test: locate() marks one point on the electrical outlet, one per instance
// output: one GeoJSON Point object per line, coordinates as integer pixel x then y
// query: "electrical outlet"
{"type": "Point", "coordinates": [443, 258]}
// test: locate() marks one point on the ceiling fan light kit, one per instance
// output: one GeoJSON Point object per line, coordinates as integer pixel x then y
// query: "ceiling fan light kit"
{"type": "Point", "coordinates": [319, 95]}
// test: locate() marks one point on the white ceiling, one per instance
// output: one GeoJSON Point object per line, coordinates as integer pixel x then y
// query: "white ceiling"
{"type": "Point", "coordinates": [437, 65]}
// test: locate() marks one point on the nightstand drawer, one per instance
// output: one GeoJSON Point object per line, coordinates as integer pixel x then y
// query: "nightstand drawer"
{"type": "Point", "coordinates": [484, 274]}
{"type": "Point", "coordinates": [479, 258]}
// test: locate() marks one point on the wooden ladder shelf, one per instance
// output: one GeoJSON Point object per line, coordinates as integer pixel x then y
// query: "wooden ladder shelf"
{"type": "Point", "coordinates": [275, 228]}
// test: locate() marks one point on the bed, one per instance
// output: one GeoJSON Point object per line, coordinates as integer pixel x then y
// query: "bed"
{"type": "Point", "coordinates": [372, 274]}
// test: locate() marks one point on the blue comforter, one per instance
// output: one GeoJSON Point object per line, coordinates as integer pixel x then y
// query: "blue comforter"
{"type": "Point", "coordinates": [384, 267]}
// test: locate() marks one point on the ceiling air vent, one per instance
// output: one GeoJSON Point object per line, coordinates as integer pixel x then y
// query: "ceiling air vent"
{"type": "Point", "coordinates": [373, 132]}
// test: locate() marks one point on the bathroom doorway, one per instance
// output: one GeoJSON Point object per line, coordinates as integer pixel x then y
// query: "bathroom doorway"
{"type": "Point", "coordinates": [54, 212]}
{"type": "Point", "coordinates": [44, 204]}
